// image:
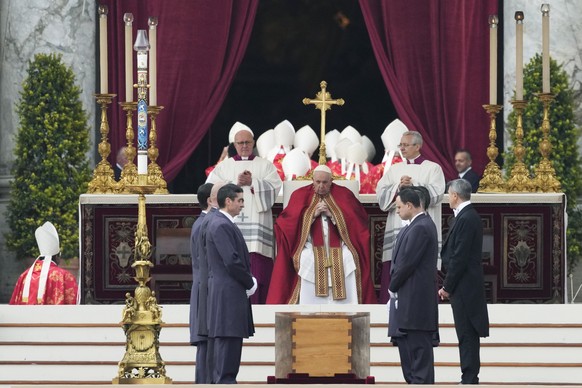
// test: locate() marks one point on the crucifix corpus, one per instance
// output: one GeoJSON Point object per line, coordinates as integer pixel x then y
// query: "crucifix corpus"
{"type": "Point", "coordinates": [323, 102]}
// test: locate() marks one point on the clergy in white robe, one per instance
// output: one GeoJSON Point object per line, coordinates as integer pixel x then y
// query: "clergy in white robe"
{"type": "Point", "coordinates": [261, 183]}
{"type": "Point", "coordinates": [414, 170]}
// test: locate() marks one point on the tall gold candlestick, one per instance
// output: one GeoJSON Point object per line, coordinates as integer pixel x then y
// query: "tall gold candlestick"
{"type": "Point", "coordinates": [492, 181]}
{"type": "Point", "coordinates": [142, 316]}
{"type": "Point", "coordinates": [155, 175]}
{"type": "Point", "coordinates": [129, 172]}
{"type": "Point", "coordinates": [545, 180]}
{"type": "Point", "coordinates": [519, 180]}
{"type": "Point", "coordinates": [103, 181]}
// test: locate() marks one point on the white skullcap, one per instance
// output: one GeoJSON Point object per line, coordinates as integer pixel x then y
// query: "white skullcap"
{"type": "Point", "coordinates": [47, 240]}
{"type": "Point", "coordinates": [306, 140]}
{"type": "Point", "coordinates": [369, 146]}
{"type": "Point", "coordinates": [331, 139]}
{"type": "Point", "coordinates": [295, 163]}
{"type": "Point", "coordinates": [392, 135]}
{"type": "Point", "coordinates": [341, 148]}
{"type": "Point", "coordinates": [351, 133]}
{"type": "Point", "coordinates": [266, 142]}
{"type": "Point", "coordinates": [285, 133]}
{"type": "Point", "coordinates": [322, 168]}
{"type": "Point", "coordinates": [356, 153]}
{"type": "Point", "coordinates": [236, 128]}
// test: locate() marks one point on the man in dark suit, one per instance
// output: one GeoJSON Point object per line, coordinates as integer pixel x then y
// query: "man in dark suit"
{"type": "Point", "coordinates": [464, 281]}
{"type": "Point", "coordinates": [463, 163]}
{"type": "Point", "coordinates": [230, 284]}
{"type": "Point", "coordinates": [413, 309]}
{"type": "Point", "coordinates": [201, 342]}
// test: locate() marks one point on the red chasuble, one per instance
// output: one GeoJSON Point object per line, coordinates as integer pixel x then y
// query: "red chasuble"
{"type": "Point", "coordinates": [352, 222]}
{"type": "Point", "coordinates": [61, 287]}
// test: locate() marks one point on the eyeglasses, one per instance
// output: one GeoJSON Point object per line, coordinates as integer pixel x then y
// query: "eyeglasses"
{"type": "Point", "coordinates": [404, 145]}
{"type": "Point", "coordinates": [244, 143]}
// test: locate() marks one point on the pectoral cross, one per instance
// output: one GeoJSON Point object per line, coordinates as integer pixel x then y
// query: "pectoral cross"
{"type": "Point", "coordinates": [323, 102]}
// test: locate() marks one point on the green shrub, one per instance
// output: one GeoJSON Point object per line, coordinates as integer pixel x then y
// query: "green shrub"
{"type": "Point", "coordinates": [564, 135]}
{"type": "Point", "coordinates": [50, 168]}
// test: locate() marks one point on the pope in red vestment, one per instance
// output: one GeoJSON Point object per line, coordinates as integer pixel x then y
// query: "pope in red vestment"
{"type": "Point", "coordinates": [295, 223]}
{"type": "Point", "coordinates": [44, 282]}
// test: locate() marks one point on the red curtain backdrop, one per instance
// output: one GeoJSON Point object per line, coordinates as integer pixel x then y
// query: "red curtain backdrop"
{"type": "Point", "coordinates": [434, 56]}
{"type": "Point", "coordinates": [200, 45]}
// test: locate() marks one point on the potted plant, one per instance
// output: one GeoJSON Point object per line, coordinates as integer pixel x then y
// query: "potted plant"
{"type": "Point", "coordinates": [51, 167]}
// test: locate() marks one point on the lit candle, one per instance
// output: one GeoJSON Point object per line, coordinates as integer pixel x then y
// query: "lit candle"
{"type": "Point", "coordinates": [519, 55]}
{"type": "Point", "coordinates": [153, 23]}
{"type": "Point", "coordinates": [493, 21]}
{"type": "Point", "coordinates": [545, 48]}
{"type": "Point", "coordinates": [103, 48]}
{"type": "Point", "coordinates": [128, 19]}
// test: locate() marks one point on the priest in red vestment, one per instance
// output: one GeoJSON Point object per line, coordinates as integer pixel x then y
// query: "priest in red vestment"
{"type": "Point", "coordinates": [44, 282]}
{"type": "Point", "coordinates": [323, 247]}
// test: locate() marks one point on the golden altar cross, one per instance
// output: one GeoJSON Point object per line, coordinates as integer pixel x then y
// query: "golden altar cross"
{"type": "Point", "coordinates": [323, 102]}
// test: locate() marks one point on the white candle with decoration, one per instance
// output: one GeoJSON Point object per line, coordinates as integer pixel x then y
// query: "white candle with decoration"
{"type": "Point", "coordinates": [142, 46]}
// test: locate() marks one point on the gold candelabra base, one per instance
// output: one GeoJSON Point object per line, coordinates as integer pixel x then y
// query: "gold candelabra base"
{"type": "Point", "coordinates": [155, 175]}
{"type": "Point", "coordinates": [492, 181]}
{"type": "Point", "coordinates": [142, 316]}
{"type": "Point", "coordinates": [129, 173]}
{"type": "Point", "coordinates": [103, 181]}
{"type": "Point", "coordinates": [519, 180]}
{"type": "Point", "coordinates": [545, 180]}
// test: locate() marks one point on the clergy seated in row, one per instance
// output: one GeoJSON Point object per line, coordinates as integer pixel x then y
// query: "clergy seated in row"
{"type": "Point", "coordinates": [323, 247]}
{"type": "Point", "coordinates": [45, 282]}
{"type": "Point", "coordinates": [261, 184]}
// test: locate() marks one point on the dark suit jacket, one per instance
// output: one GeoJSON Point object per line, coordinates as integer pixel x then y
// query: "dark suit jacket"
{"type": "Point", "coordinates": [413, 277]}
{"type": "Point", "coordinates": [229, 276]}
{"type": "Point", "coordinates": [461, 254]}
{"type": "Point", "coordinates": [194, 302]}
{"type": "Point", "coordinates": [202, 311]}
{"type": "Point", "coordinates": [473, 178]}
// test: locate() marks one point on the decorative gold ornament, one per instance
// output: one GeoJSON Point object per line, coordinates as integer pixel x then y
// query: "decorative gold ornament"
{"type": "Point", "coordinates": [103, 181]}
{"type": "Point", "coordinates": [519, 180]}
{"type": "Point", "coordinates": [545, 180]}
{"type": "Point", "coordinates": [323, 102]}
{"type": "Point", "coordinates": [129, 172]}
{"type": "Point", "coordinates": [142, 316]}
{"type": "Point", "coordinates": [155, 175]}
{"type": "Point", "coordinates": [492, 181]}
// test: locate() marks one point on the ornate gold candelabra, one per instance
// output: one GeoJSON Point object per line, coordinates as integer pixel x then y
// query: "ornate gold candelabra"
{"type": "Point", "coordinates": [103, 181]}
{"type": "Point", "coordinates": [492, 181]}
{"type": "Point", "coordinates": [545, 180]}
{"type": "Point", "coordinates": [519, 180]}
{"type": "Point", "coordinates": [323, 102]}
{"type": "Point", "coordinates": [142, 316]}
{"type": "Point", "coordinates": [155, 175]}
{"type": "Point", "coordinates": [129, 172]}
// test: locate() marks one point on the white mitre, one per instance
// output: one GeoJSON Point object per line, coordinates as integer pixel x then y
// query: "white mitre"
{"type": "Point", "coordinates": [296, 163]}
{"type": "Point", "coordinates": [351, 133]}
{"type": "Point", "coordinates": [391, 138]}
{"type": "Point", "coordinates": [285, 134]}
{"type": "Point", "coordinates": [341, 150]}
{"type": "Point", "coordinates": [331, 139]}
{"type": "Point", "coordinates": [306, 140]}
{"type": "Point", "coordinates": [236, 128]}
{"type": "Point", "coordinates": [48, 243]}
{"type": "Point", "coordinates": [356, 162]}
{"type": "Point", "coordinates": [370, 148]}
{"type": "Point", "coordinates": [266, 142]}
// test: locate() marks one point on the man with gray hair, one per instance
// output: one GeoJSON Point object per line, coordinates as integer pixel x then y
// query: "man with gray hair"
{"type": "Point", "coordinates": [414, 170]}
{"type": "Point", "coordinates": [464, 281]}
